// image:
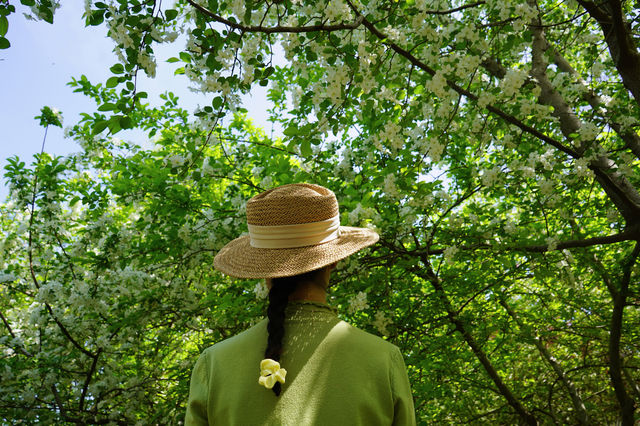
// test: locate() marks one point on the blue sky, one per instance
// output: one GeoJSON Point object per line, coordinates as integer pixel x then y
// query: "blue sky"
{"type": "Point", "coordinates": [43, 58]}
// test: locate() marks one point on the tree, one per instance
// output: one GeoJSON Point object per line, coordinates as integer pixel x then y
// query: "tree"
{"type": "Point", "coordinates": [40, 10]}
{"type": "Point", "coordinates": [494, 145]}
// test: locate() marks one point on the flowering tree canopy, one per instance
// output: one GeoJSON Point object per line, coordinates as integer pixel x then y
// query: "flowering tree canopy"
{"type": "Point", "coordinates": [494, 145]}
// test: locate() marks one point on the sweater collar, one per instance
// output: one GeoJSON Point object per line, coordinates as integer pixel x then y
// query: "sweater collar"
{"type": "Point", "coordinates": [296, 308]}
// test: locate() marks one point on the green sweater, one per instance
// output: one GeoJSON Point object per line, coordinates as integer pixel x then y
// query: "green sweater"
{"type": "Point", "coordinates": [336, 375]}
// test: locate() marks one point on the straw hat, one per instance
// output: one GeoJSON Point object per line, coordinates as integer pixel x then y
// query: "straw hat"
{"type": "Point", "coordinates": [293, 229]}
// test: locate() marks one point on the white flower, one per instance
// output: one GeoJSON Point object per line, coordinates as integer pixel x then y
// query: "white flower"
{"type": "Point", "coordinates": [588, 131]}
{"type": "Point", "coordinates": [267, 182]}
{"type": "Point", "coordinates": [435, 150]}
{"type": "Point", "coordinates": [512, 81]}
{"type": "Point", "coordinates": [358, 302]}
{"type": "Point", "coordinates": [510, 227]}
{"type": "Point", "coordinates": [337, 10]}
{"type": "Point", "coordinates": [170, 37]}
{"type": "Point", "coordinates": [148, 63]}
{"type": "Point", "coordinates": [390, 187]}
{"type": "Point", "coordinates": [355, 214]}
{"type": "Point", "coordinates": [381, 323]}
{"type": "Point", "coordinates": [568, 256]}
{"type": "Point", "coordinates": [528, 172]}
{"type": "Point", "coordinates": [552, 243]}
{"type": "Point", "coordinates": [4, 278]}
{"type": "Point", "coordinates": [238, 8]}
{"type": "Point", "coordinates": [437, 84]}
{"type": "Point", "coordinates": [582, 168]}
{"type": "Point", "coordinates": [261, 291]}
{"type": "Point", "coordinates": [546, 187]}
{"type": "Point", "coordinates": [485, 99]}
{"type": "Point", "coordinates": [490, 177]}
{"type": "Point", "coordinates": [393, 133]}
{"type": "Point", "coordinates": [175, 160]}
{"type": "Point", "coordinates": [449, 253]}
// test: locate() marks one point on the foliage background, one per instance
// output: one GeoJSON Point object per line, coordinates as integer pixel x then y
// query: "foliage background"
{"type": "Point", "coordinates": [494, 146]}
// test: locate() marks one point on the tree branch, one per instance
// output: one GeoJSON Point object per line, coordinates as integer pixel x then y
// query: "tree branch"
{"type": "Point", "coordinates": [277, 28]}
{"type": "Point", "coordinates": [631, 234]}
{"type": "Point", "coordinates": [456, 9]}
{"type": "Point", "coordinates": [621, 45]}
{"type": "Point", "coordinates": [628, 136]}
{"type": "Point", "coordinates": [460, 90]}
{"type": "Point", "coordinates": [578, 404]}
{"type": "Point", "coordinates": [428, 274]}
{"type": "Point", "coordinates": [85, 387]}
{"type": "Point", "coordinates": [20, 348]}
{"type": "Point", "coordinates": [627, 404]}
{"type": "Point", "coordinates": [618, 188]}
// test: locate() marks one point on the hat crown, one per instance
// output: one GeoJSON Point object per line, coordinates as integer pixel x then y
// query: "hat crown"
{"type": "Point", "coordinates": [292, 204]}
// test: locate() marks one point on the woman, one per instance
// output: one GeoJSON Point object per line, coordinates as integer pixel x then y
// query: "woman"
{"type": "Point", "coordinates": [316, 369]}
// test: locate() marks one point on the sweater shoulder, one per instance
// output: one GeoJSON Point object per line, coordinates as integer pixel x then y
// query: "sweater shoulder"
{"type": "Point", "coordinates": [243, 340]}
{"type": "Point", "coordinates": [363, 339]}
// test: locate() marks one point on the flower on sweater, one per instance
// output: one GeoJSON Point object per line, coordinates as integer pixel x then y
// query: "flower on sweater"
{"type": "Point", "coordinates": [270, 373]}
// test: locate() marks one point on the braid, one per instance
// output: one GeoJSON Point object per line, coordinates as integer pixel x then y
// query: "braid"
{"type": "Point", "coordinates": [278, 299]}
{"type": "Point", "coordinates": [281, 289]}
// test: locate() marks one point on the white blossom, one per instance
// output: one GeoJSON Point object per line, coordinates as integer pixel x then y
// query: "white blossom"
{"type": "Point", "coordinates": [552, 243]}
{"type": "Point", "coordinates": [390, 187]}
{"type": "Point", "coordinates": [381, 323]}
{"type": "Point", "coordinates": [512, 81]}
{"type": "Point", "coordinates": [581, 168]}
{"type": "Point", "coordinates": [438, 84]}
{"type": "Point", "coordinates": [261, 291]}
{"type": "Point", "coordinates": [490, 177]}
{"type": "Point", "coordinates": [266, 182]}
{"type": "Point", "coordinates": [358, 302]}
{"type": "Point", "coordinates": [588, 131]}
{"type": "Point", "coordinates": [546, 187]}
{"type": "Point", "coordinates": [4, 278]}
{"type": "Point", "coordinates": [510, 227]}
{"type": "Point", "coordinates": [449, 253]}
{"type": "Point", "coordinates": [175, 160]}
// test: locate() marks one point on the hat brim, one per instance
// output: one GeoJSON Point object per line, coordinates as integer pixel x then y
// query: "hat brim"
{"type": "Point", "coordinates": [239, 259]}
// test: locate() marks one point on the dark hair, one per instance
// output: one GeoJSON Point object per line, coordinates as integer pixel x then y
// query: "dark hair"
{"type": "Point", "coordinates": [281, 289]}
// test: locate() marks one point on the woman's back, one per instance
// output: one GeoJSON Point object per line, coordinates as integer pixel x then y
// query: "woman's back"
{"type": "Point", "coordinates": [336, 375]}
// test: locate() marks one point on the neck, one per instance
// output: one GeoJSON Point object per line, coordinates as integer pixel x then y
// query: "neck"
{"type": "Point", "coordinates": [310, 291]}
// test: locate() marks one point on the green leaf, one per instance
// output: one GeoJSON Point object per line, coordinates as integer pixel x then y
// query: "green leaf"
{"type": "Point", "coordinates": [179, 71]}
{"type": "Point", "coordinates": [117, 69]}
{"type": "Point", "coordinates": [216, 102]}
{"type": "Point", "coordinates": [4, 43]}
{"type": "Point", "coordinates": [7, 10]}
{"type": "Point", "coordinates": [99, 126]}
{"type": "Point", "coordinates": [170, 14]}
{"type": "Point", "coordinates": [267, 72]}
{"type": "Point", "coordinates": [28, 2]}
{"type": "Point", "coordinates": [172, 60]}
{"type": "Point", "coordinates": [96, 18]}
{"type": "Point", "coordinates": [305, 148]}
{"type": "Point", "coordinates": [114, 123]}
{"type": "Point", "coordinates": [185, 57]}
{"type": "Point", "coordinates": [311, 55]}
{"type": "Point", "coordinates": [49, 117]}
{"type": "Point", "coordinates": [107, 107]}
{"type": "Point", "coordinates": [125, 122]}
{"type": "Point", "coordinates": [112, 82]}
{"type": "Point", "coordinates": [4, 25]}
{"type": "Point", "coordinates": [291, 130]}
